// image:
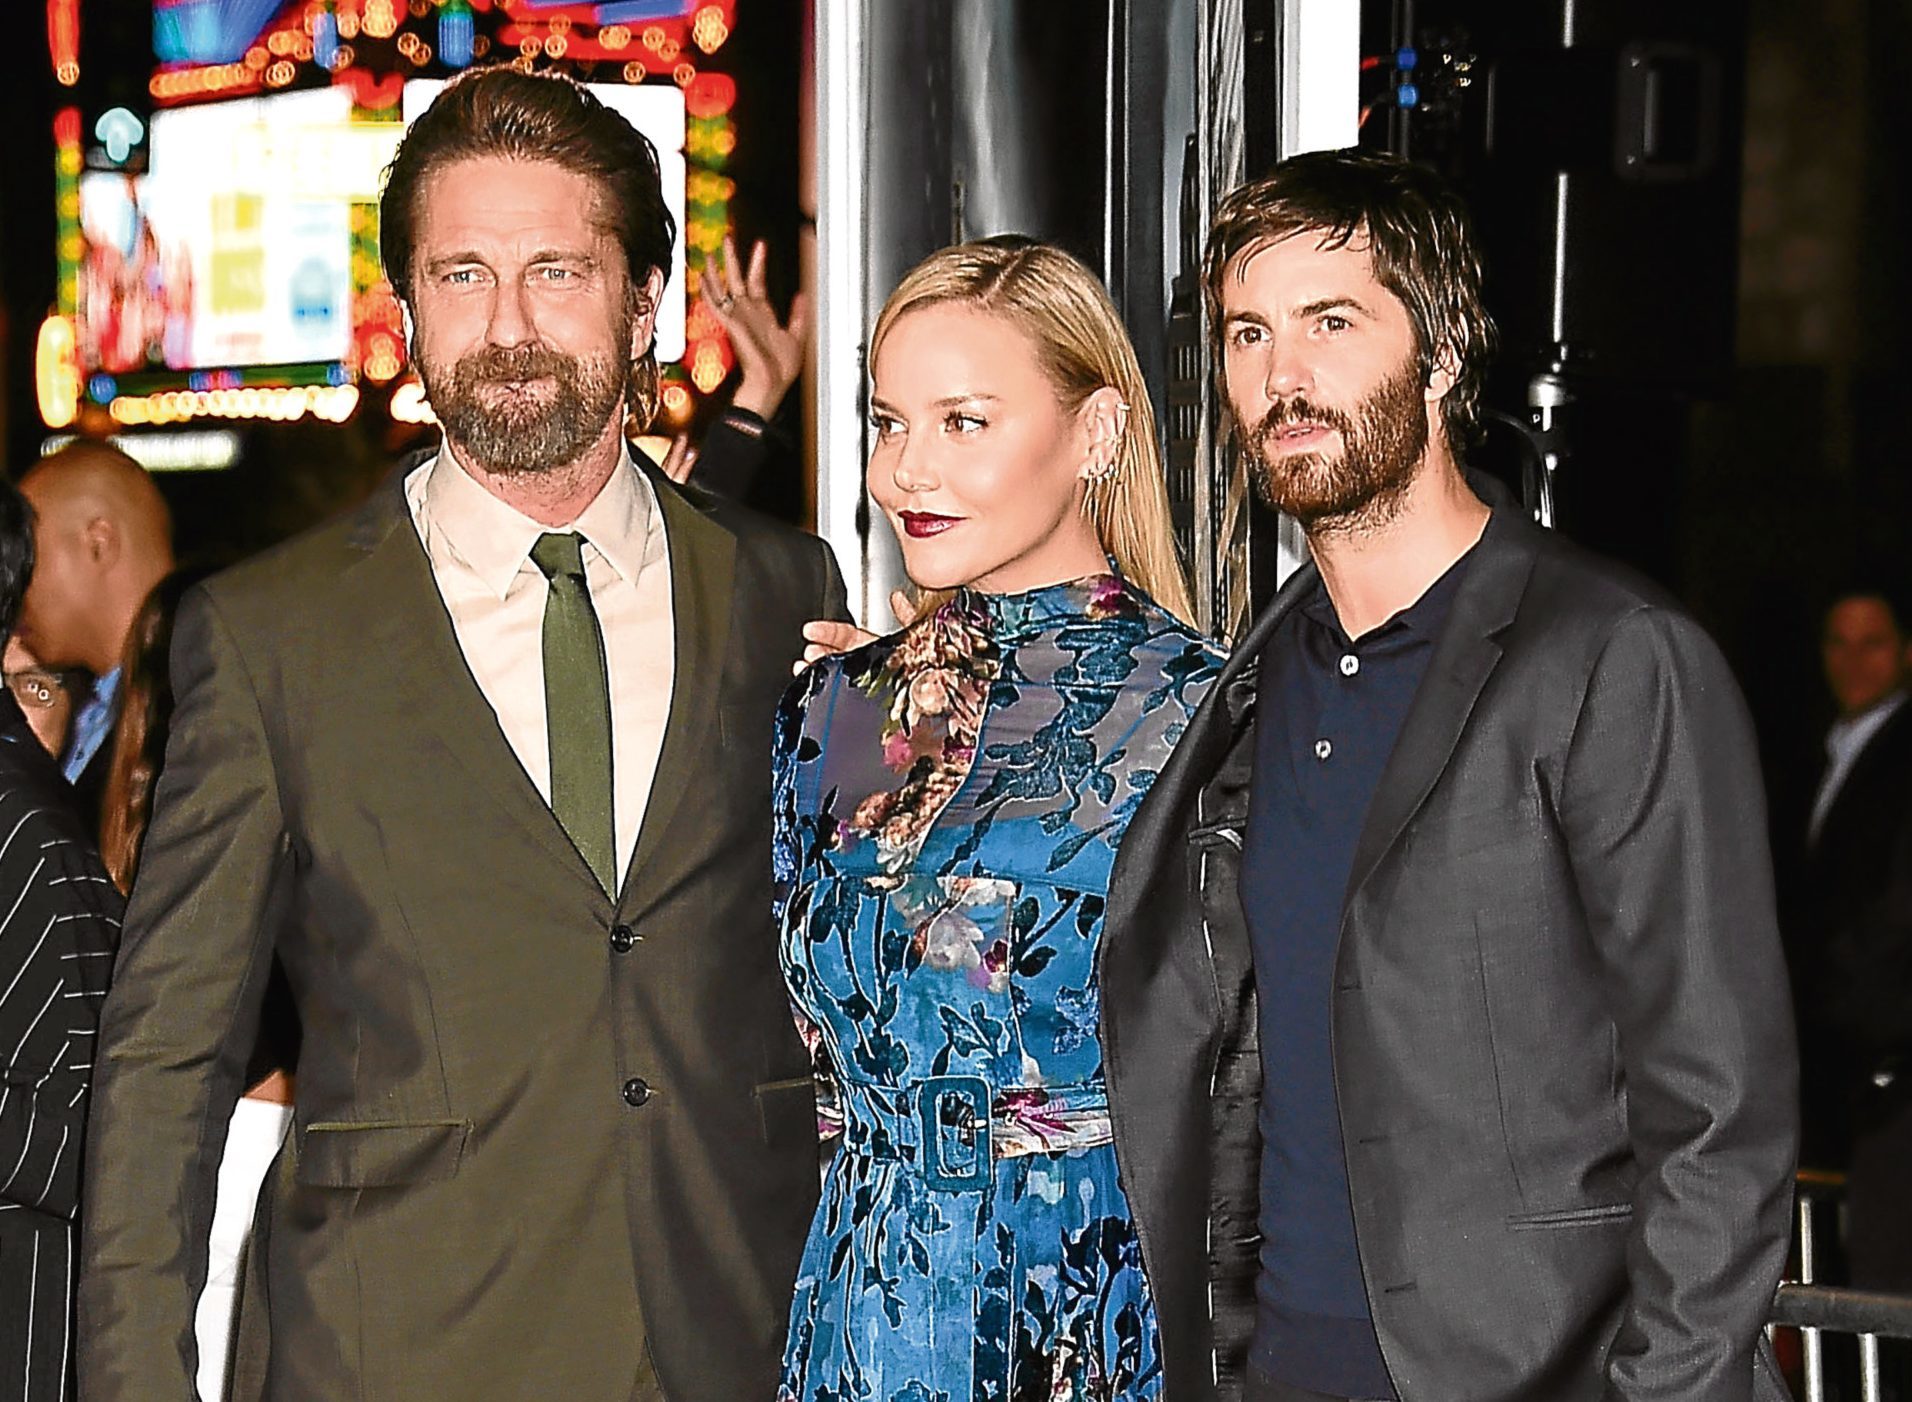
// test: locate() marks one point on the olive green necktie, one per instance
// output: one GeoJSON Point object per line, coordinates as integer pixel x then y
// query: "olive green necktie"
{"type": "Point", "coordinates": [577, 704]}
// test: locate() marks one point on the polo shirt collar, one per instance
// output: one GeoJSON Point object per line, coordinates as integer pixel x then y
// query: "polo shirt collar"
{"type": "Point", "coordinates": [1426, 616]}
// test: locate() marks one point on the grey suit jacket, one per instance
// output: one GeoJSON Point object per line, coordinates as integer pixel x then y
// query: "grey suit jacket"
{"type": "Point", "coordinates": [545, 1141]}
{"type": "Point", "coordinates": [1562, 1042]}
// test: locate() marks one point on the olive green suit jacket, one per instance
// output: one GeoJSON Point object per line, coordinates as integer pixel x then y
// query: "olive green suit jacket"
{"type": "Point", "coordinates": [545, 1142]}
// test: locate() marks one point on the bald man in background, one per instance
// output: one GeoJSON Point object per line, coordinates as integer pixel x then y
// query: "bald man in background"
{"type": "Point", "coordinates": [104, 538]}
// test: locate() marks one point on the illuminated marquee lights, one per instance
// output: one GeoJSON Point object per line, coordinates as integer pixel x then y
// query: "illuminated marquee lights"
{"type": "Point", "coordinates": [210, 50]}
{"type": "Point", "coordinates": [409, 405]}
{"type": "Point", "coordinates": [63, 40]}
{"type": "Point", "coordinates": [222, 80]}
{"type": "Point", "coordinates": [69, 247]}
{"type": "Point", "coordinates": [332, 403]}
{"type": "Point", "coordinates": [205, 450]}
{"type": "Point", "coordinates": [56, 371]}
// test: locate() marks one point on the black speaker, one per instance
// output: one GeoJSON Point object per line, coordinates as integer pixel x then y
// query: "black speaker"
{"type": "Point", "coordinates": [1599, 144]}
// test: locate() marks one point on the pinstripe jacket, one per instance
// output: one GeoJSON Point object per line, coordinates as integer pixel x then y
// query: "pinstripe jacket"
{"type": "Point", "coordinates": [59, 928]}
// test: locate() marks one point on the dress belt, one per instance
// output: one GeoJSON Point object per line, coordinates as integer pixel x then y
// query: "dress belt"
{"type": "Point", "coordinates": [952, 1128]}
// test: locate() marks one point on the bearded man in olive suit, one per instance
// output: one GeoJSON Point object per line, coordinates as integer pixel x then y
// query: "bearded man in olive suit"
{"type": "Point", "coordinates": [485, 766]}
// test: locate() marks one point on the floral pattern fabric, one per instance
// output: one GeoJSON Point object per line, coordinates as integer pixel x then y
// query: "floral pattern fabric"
{"type": "Point", "coordinates": [949, 804]}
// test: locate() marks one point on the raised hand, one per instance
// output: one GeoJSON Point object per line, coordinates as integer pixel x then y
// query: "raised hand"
{"type": "Point", "coordinates": [769, 351]}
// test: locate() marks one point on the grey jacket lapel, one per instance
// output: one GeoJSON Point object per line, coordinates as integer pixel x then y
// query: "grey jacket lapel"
{"type": "Point", "coordinates": [1464, 658]}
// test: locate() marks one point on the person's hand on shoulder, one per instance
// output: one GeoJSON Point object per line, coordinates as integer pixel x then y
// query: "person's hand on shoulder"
{"type": "Point", "coordinates": [826, 637]}
{"type": "Point", "coordinates": [680, 460]}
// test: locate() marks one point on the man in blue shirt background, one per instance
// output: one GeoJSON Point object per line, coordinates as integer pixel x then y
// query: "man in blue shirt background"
{"type": "Point", "coordinates": [104, 538]}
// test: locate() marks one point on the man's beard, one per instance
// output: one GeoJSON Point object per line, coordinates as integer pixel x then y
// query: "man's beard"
{"type": "Point", "coordinates": [1382, 444]}
{"type": "Point", "coordinates": [519, 434]}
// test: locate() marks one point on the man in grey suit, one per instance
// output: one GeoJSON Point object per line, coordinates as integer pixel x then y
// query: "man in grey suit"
{"type": "Point", "coordinates": [1447, 1029]}
{"type": "Point", "coordinates": [486, 767]}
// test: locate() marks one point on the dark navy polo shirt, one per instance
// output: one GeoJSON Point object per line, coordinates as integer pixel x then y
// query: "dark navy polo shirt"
{"type": "Point", "coordinates": [1327, 713]}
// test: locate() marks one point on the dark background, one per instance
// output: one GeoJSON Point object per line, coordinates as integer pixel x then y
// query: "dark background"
{"type": "Point", "coordinates": [1735, 338]}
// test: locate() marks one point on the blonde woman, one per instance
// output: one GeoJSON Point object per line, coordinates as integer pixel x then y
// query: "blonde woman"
{"type": "Point", "coordinates": [949, 804]}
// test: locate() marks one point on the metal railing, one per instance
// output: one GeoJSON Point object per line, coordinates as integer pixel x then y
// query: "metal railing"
{"type": "Point", "coordinates": [1816, 1310]}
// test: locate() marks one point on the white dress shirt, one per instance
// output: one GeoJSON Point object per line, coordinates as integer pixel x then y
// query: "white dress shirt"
{"type": "Point", "coordinates": [480, 553]}
{"type": "Point", "coordinates": [1845, 742]}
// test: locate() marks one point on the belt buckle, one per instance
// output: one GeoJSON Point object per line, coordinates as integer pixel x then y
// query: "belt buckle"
{"type": "Point", "coordinates": [953, 1115]}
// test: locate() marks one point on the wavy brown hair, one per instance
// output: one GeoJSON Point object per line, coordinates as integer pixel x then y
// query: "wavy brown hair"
{"type": "Point", "coordinates": [145, 710]}
{"type": "Point", "coordinates": [1414, 227]}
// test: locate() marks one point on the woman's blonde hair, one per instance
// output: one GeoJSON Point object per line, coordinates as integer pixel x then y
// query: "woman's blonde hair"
{"type": "Point", "coordinates": [1079, 339]}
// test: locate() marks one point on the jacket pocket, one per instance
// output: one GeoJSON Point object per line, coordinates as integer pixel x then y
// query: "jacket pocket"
{"type": "Point", "coordinates": [1571, 1217]}
{"type": "Point", "coordinates": [380, 1153]}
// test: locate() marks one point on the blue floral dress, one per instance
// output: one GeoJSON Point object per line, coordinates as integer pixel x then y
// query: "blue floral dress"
{"type": "Point", "coordinates": [949, 803]}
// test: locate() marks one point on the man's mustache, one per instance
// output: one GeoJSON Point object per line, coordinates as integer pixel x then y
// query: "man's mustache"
{"type": "Point", "coordinates": [502, 364]}
{"type": "Point", "coordinates": [1287, 413]}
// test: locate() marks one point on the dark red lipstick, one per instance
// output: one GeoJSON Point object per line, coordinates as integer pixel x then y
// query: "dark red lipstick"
{"type": "Point", "coordinates": [921, 524]}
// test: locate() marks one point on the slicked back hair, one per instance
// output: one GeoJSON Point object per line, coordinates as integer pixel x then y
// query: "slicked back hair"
{"type": "Point", "coordinates": [1053, 298]}
{"type": "Point", "coordinates": [502, 113]}
{"type": "Point", "coordinates": [1417, 233]}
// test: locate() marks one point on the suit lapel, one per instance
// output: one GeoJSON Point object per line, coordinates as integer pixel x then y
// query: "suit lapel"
{"type": "Point", "coordinates": [434, 690]}
{"type": "Point", "coordinates": [703, 564]}
{"type": "Point", "coordinates": [1466, 655]}
{"type": "Point", "coordinates": [1878, 767]}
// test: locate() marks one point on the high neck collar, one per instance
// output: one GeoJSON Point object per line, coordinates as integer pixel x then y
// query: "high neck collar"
{"type": "Point", "coordinates": [1094, 598]}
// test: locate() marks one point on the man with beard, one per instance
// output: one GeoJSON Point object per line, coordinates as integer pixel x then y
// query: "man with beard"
{"type": "Point", "coordinates": [554, 1132]}
{"type": "Point", "coordinates": [1497, 1097]}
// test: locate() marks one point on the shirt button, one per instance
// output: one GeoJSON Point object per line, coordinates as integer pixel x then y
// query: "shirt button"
{"type": "Point", "coordinates": [1350, 664]}
{"type": "Point", "coordinates": [637, 1090]}
{"type": "Point", "coordinates": [624, 939]}
{"type": "Point", "coordinates": [1323, 748]}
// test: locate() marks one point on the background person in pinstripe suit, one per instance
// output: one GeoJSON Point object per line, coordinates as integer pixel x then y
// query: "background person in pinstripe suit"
{"type": "Point", "coordinates": [59, 928]}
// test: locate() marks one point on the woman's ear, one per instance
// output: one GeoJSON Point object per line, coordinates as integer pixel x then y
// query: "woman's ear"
{"type": "Point", "coordinates": [1104, 420]}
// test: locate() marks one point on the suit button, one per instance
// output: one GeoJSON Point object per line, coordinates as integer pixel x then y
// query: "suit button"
{"type": "Point", "coordinates": [637, 1090]}
{"type": "Point", "coordinates": [624, 938]}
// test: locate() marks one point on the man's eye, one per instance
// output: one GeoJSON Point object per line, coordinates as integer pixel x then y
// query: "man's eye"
{"type": "Point", "coordinates": [1331, 322]}
{"type": "Point", "coordinates": [462, 277]}
{"type": "Point", "coordinates": [1245, 336]}
{"type": "Point", "coordinates": [557, 274]}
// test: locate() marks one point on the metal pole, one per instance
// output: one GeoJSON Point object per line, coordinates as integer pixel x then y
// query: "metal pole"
{"type": "Point", "coordinates": [1805, 1239]}
{"type": "Point", "coordinates": [1320, 75]}
{"type": "Point", "coordinates": [842, 108]}
{"type": "Point", "coordinates": [1115, 156]}
{"type": "Point", "coordinates": [1869, 1387]}
{"type": "Point", "coordinates": [1812, 1340]}
{"type": "Point", "coordinates": [1320, 111]}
